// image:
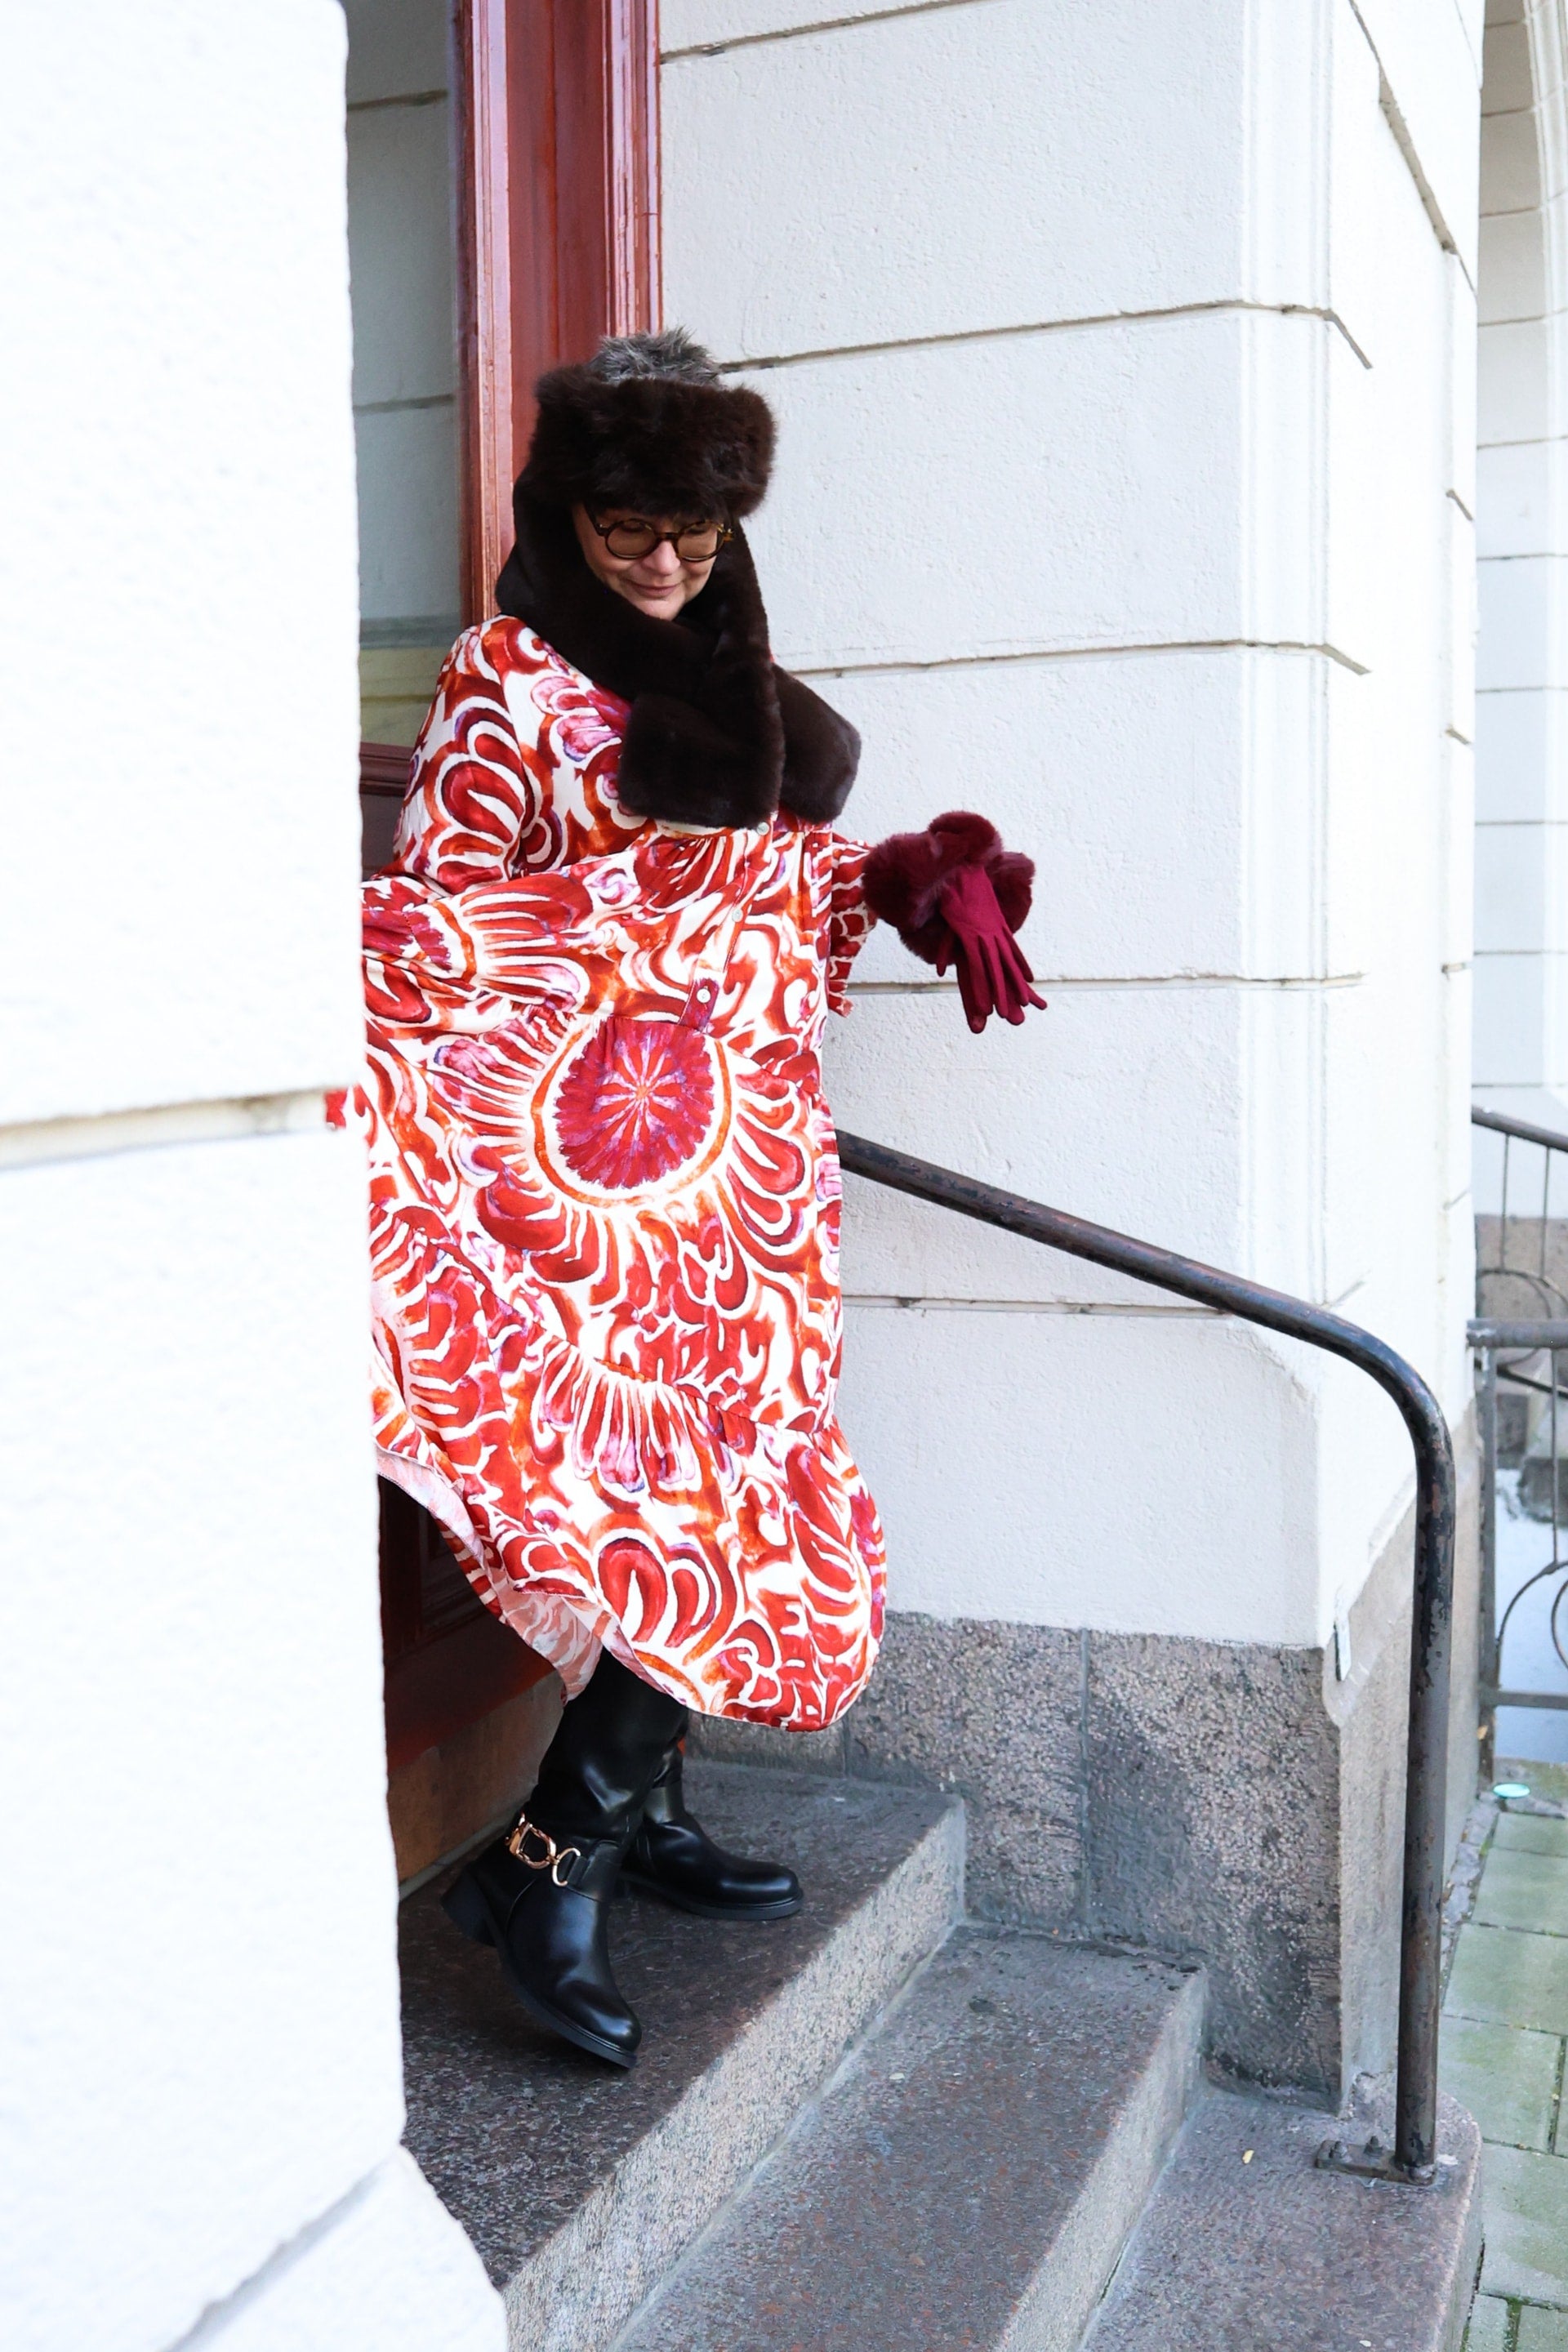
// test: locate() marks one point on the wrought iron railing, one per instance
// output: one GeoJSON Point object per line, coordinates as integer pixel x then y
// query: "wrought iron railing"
{"type": "Point", "coordinates": [1413, 2155]}
{"type": "Point", "coordinates": [1519, 1337]}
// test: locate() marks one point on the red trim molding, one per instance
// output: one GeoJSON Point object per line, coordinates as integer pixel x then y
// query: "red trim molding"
{"type": "Point", "coordinates": [558, 223]}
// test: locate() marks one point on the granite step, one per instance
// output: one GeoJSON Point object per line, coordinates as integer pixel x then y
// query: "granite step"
{"type": "Point", "coordinates": [970, 2175]}
{"type": "Point", "coordinates": [1245, 2243]}
{"type": "Point", "coordinates": [580, 2185]}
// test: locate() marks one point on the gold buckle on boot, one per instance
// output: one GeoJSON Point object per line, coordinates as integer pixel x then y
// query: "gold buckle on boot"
{"type": "Point", "coordinates": [554, 1858]}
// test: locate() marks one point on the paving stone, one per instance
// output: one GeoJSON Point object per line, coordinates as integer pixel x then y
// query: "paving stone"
{"type": "Point", "coordinates": [580, 2184]}
{"type": "Point", "coordinates": [1530, 1834]}
{"type": "Point", "coordinates": [1505, 2076]}
{"type": "Point", "coordinates": [1543, 2331]}
{"type": "Point", "coordinates": [1526, 2205]}
{"type": "Point", "coordinates": [1522, 1889]}
{"type": "Point", "coordinates": [1234, 2257]}
{"type": "Point", "coordinates": [1487, 2330]}
{"type": "Point", "coordinates": [1511, 1978]}
{"type": "Point", "coordinates": [969, 2178]}
{"type": "Point", "coordinates": [1548, 1783]}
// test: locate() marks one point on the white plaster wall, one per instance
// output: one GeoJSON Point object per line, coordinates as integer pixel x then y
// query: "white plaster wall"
{"type": "Point", "coordinates": [1088, 1443]}
{"type": "Point", "coordinates": [179, 523]}
{"type": "Point", "coordinates": [1522, 835]}
{"type": "Point", "coordinates": [348, 2281]}
{"type": "Point", "coordinates": [198, 2011]}
{"type": "Point", "coordinates": [1121, 358]}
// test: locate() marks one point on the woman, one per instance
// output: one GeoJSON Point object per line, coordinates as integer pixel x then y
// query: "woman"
{"type": "Point", "coordinates": [605, 1198]}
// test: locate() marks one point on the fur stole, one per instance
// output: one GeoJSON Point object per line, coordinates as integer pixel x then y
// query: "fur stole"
{"type": "Point", "coordinates": [718, 734]}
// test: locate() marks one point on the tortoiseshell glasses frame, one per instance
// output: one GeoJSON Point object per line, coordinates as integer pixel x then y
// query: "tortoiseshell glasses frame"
{"type": "Point", "coordinates": [630, 539]}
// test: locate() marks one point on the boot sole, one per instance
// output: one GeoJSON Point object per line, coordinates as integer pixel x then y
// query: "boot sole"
{"type": "Point", "coordinates": [785, 1908]}
{"type": "Point", "coordinates": [465, 1908]}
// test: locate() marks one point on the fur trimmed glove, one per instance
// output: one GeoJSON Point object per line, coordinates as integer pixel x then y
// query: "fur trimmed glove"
{"type": "Point", "coordinates": [954, 896]}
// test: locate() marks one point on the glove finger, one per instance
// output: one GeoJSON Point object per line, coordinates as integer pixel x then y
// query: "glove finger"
{"type": "Point", "coordinates": [987, 973]}
{"type": "Point", "coordinates": [1003, 996]}
{"type": "Point", "coordinates": [1019, 976]}
{"type": "Point", "coordinates": [975, 1011]}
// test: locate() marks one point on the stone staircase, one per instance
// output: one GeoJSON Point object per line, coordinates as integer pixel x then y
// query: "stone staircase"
{"type": "Point", "coordinates": [878, 2127]}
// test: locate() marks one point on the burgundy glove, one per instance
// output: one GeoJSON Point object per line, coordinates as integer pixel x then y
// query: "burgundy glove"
{"type": "Point", "coordinates": [993, 973]}
{"type": "Point", "coordinates": [956, 895]}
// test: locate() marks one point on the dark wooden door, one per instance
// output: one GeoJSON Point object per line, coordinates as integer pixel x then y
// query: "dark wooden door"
{"type": "Point", "coordinates": [557, 245]}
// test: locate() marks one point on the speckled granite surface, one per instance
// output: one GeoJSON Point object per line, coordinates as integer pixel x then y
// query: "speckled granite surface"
{"type": "Point", "coordinates": [579, 2184]}
{"type": "Point", "coordinates": [1246, 2244]}
{"type": "Point", "coordinates": [969, 2178]}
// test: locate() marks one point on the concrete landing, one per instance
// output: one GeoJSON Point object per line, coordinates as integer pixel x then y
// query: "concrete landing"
{"type": "Point", "coordinates": [970, 2175]}
{"type": "Point", "coordinates": [1240, 2250]}
{"type": "Point", "coordinates": [580, 2185]}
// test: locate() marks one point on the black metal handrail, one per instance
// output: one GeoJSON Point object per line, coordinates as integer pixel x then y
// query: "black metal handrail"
{"type": "Point", "coordinates": [1485, 1331]}
{"type": "Point", "coordinates": [1519, 1128]}
{"type": "Point", "coordinates": [1415, 2153]}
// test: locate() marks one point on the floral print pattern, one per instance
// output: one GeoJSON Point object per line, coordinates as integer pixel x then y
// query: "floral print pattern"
{"type": "Point", "coordinates": [605, 1204]}
{"type": "Point", "coordinates": [634, 1107]}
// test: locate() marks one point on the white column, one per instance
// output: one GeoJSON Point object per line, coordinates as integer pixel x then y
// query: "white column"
{"type": "Point", "coordinates": [203, 2097]}
{"type": "Point", "coordinates": [1521, 834]}
{"type": "Point", "coordinates": [1121, 359]}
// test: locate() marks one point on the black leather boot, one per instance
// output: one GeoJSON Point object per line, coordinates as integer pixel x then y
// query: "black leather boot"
{"type": "Point", "coordinates": [671, 1853]}
{"type": "Point", "coordinates": [539, 1894]}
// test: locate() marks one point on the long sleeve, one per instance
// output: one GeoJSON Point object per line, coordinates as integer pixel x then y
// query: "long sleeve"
{"type": "Point", "coordinates": [850, 921]}
{"type": "Point", "coordinates": [514, 772]}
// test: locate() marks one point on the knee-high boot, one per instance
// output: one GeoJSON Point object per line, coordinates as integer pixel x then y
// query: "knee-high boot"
{"type": "Point", "coordinates": [540, 1894]}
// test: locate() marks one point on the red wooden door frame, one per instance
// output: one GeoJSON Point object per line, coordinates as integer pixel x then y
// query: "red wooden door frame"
{"type": "Point", "coordinates": [558, 245]}
{"type": "Point", "coordinates": [558, 238]}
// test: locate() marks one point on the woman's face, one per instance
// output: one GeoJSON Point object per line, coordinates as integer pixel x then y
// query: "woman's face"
{"type": "Point", "coordinates": [658, 582]}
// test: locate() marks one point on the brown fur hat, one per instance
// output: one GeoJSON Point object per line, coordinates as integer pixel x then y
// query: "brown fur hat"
{"type": "Point", "coordinates": [649, 424]}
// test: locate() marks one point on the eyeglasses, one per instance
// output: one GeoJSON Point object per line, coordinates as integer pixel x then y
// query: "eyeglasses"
{"type": "Point", "coordinates": [694, 542]}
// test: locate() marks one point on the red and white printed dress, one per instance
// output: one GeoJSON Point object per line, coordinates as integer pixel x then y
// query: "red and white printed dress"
{"type": "Point", "coordinates": [604, 1203]}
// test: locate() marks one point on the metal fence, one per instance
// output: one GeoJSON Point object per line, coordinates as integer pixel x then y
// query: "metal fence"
{"type": "Point", "coordinates": [1521, 1340]}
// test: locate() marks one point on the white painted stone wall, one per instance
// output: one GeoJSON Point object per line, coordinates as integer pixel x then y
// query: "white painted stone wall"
{"type": "Point", "coordinates": [1125, 364]}
{"type": "Point", "coordinates": [1522, 840]}
{"type": "Point", "coordinates": [198, 2011]}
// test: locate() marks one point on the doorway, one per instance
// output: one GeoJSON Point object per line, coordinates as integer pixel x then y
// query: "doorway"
{"type": "Point", "coordinates": [502, 192]}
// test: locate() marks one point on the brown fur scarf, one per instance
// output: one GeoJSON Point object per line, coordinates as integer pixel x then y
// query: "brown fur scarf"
{"type": "Point", "coordinates": [718, 733]}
